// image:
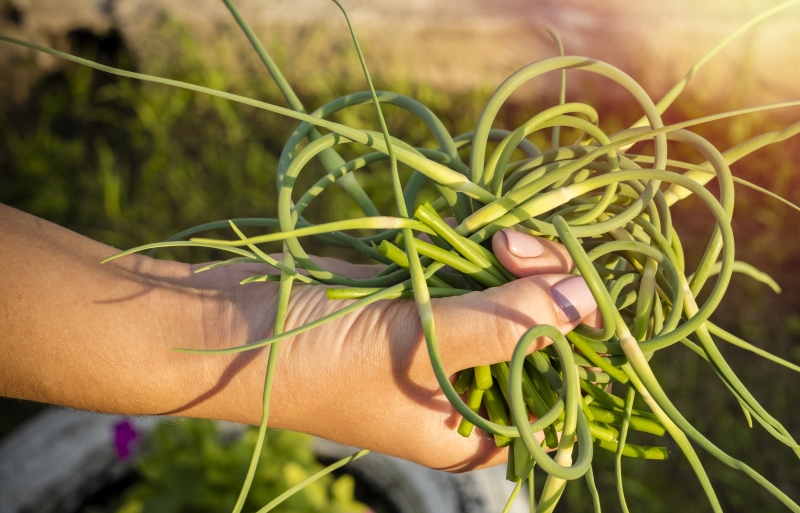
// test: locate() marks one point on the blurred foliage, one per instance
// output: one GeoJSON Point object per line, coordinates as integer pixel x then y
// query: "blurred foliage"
{"type": "Point", "coordinates": [128, 163]}
{"type": "Point", "coordinates": [188, 468]}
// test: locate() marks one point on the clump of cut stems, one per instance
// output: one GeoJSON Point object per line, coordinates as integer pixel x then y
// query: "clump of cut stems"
{"type": "Point", "coordinates": [610, 207]}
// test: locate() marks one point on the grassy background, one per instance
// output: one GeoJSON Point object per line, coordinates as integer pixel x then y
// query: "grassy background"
{"type": "Point", "coordinates": [129, 163]}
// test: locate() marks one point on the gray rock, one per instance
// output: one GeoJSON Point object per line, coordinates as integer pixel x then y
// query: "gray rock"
{"type": "Point", "coordinates": [59, 457]}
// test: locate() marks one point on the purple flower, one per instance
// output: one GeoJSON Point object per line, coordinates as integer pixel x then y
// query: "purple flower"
{"type": "Point", "coordinates": [124, 436]}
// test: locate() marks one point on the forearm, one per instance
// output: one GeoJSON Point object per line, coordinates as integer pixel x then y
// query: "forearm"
{"type": "Point", "coordinates": [77, 333]}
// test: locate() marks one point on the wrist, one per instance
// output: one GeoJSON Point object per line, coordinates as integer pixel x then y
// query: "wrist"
{"type": "Point", "coordinates": [211, 310]}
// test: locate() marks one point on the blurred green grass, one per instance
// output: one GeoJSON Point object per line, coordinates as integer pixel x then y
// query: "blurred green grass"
{"type": "Point", "coordinates": [128, 163]}
{"type": "Point", "coordinates": [190, 467]}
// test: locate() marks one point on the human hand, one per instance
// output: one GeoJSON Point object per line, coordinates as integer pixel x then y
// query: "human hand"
{"type": "Point", "coordinates": [365, 379]}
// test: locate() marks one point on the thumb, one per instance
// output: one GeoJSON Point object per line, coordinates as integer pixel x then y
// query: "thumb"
{"type": "Point", "coordinates": [481, 328]}
{"type": "Point", "coordinates": [525, 255]}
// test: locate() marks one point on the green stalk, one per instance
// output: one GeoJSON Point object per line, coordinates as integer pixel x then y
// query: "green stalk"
{"type": "Point", "coordinates": [398, 257]}
{"type": "Point", "coordinates": [493, 401]}
{"type": "Point", "coordinates": [329, 158]}
{"type": "Point", "coordinates": [483, 377]}
{"type": "Point", "coordinates": [474, 402]}
{"type": "Point", "coordinates": [562, 97]}
{"type": "Point", "coordinates": [533, 400]}
{"type": "Point", "coordinates": [636, 423]}
{"type": "Point", "coordinates": [324, 472]}
{"type": "Point", "coordinates": [596, 359]}
{"type": "Point", "coordinates": [635, 451]}
{"type": "Point", "coordinates": [623, 435]}
{"type": "Point", "coordinates": [359, 293]}
{"type": "Point", "coordinates": [573, 418]}
{"type": "Point", "coordinates": [677, 89]}
{"type": "Point", "coordinates": [593, 490]}
{"type": "Point", "coordinates": [464, 379]}
{"type": "Point", "coordinates": [513, 496]}
{"type": "Point", "coordinates": [473, 252]}
{"type": "Point", "coordinates": [364, 223]}
{"type": "Point", "coordinates": [460, 264]}
{"type": "Point", "coordinates": [284, 293]}
{"type": "Point", "coordinates": [732, 339]}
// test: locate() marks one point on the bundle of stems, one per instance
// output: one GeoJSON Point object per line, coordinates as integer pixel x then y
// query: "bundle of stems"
{"type": "Point", "coordinates": [608, 205]}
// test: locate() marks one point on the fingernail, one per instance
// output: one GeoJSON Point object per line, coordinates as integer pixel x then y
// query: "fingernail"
{"type": "Point", "coordinates": [573, 298]}
{"type": "Point", "coordinates": [521, 245]}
